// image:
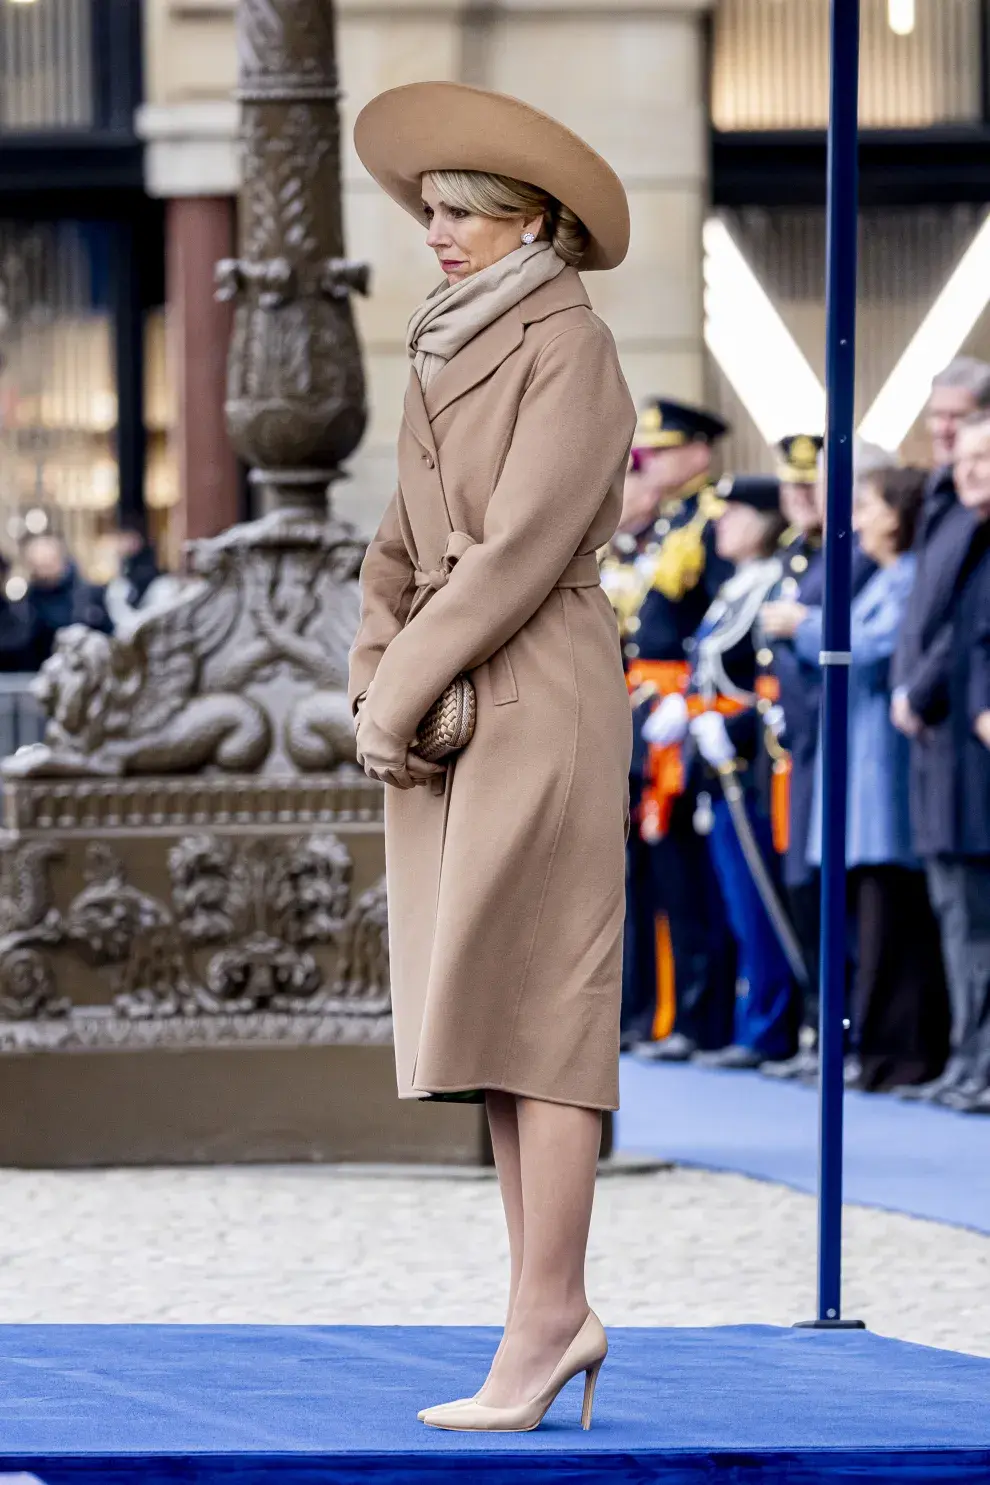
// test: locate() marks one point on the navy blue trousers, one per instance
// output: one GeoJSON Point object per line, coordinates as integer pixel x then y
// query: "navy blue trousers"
{"type": "Point", "coordinates": [674, 876]}
{"type": "Point", "coordinates": [767, 1006]}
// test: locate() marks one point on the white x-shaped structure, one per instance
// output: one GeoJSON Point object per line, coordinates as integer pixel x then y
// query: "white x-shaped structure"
{"type": "Point", "coordinates": [770, 374]}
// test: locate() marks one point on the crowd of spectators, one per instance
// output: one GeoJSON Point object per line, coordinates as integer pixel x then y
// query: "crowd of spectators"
{"type": "Point", "coordinates": [53, 593]}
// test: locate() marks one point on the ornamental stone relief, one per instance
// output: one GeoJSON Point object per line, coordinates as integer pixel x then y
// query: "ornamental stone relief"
{"type": "Point", "coordinates": [262, 939]}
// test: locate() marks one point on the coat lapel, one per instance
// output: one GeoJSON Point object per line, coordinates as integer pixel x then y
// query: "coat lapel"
{"type": "Point", "coordinates": [477, 360]}
{"type": "Point", "coordinates": [414, 412]}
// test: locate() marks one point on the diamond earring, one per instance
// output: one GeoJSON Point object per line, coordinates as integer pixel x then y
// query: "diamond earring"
{"type": "Point", "coordinates": [528, 237]}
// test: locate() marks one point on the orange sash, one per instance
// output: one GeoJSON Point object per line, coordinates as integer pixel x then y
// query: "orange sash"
{"type": "Point", "coordinates": [768, 690]}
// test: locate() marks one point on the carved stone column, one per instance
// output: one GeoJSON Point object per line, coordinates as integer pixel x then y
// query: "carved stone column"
{"type": "Point", "coordinates": [296, 407]}
{"type": "Point", "coordinates": [192, 898]}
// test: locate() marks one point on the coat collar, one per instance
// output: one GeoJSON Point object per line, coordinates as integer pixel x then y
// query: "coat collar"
{"type": "Point", "coordinates": [491, 346]}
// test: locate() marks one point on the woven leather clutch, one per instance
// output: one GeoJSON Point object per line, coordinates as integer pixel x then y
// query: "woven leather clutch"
{"type": "Point", "coordinates": [449, 724]}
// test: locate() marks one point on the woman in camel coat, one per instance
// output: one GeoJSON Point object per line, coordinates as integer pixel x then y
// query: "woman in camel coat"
{"type": "Point", "coordinates": [505, 867]}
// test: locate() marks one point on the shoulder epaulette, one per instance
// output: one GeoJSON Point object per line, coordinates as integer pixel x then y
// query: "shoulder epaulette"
{"type": "Point", "coordinates": [710, 503]}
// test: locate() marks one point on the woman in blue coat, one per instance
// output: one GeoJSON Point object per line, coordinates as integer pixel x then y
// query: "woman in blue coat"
{"type": "Point", "coordinates": [900, 1008]}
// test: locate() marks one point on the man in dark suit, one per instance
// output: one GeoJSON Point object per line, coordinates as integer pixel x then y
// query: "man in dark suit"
{"type": "Point", "coordinates": [920, 675]}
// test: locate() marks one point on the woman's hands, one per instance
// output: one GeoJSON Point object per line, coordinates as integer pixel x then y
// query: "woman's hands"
{"type": "Point", "coordinates": [385, 757]}
{"type": "Point", "coordinates": [782, 618]}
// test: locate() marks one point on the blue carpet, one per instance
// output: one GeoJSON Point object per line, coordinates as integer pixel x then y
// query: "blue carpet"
{"type": "Point", "coordinates": [927, 1162]}
{"type": "Point", "coordinates": [86, 1405]}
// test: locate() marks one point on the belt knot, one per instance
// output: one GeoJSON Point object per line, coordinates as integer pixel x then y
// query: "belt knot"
{"type": "Point", "coordinates": [436, 578]}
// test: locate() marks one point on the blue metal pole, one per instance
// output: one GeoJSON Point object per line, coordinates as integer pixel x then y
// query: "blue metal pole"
{"type": "Point", "coordinates": [840, 376]}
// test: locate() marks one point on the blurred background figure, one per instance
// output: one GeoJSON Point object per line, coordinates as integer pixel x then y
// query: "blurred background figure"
{"type": "Point", "coordinates": [956, 804]}
{"type": "Point", "coordinates": [718, 725]}
{"type": "Point", "coordinates": [943, 538]}
{"type": "Point", "coordinates": [922, 664]}
{"type": "Point", "coordinates": [16, 650]}
{"type": "Point", "coordinates": [679, 964]}
{"type": "Point", "coordinates": [793, 693]}
{"type": "Point", "coordinates": [797, 679]}
{"type": "Point", "coordinates": [899, 1007]}
{"type": "Point", "coordinates": [140, 584]}
{"type": "Point", "coordinates": [57, 594]}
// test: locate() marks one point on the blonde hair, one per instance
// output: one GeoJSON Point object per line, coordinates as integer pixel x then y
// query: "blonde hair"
{"type": "Point", "coordinates": [488, 195]}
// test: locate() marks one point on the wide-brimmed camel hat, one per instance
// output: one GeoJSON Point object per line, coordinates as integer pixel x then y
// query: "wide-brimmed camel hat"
{"type": "Point", "coordinates": [406, 132]}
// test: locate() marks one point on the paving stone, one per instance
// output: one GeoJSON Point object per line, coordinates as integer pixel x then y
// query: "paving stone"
{"type": "Point", "coordinates": [318, 1245]}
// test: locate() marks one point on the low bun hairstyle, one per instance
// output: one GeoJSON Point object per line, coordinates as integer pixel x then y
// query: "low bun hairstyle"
{"type": "Point", "coordinates": [489, 195]}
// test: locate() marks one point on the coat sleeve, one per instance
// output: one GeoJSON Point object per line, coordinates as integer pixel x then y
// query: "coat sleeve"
{"type": "Point", "coordinates": [874, 633]}
{"type": "Point", "coordinates": [387, 588]}
{"type": "Point", "coordinates": [872, 636]}
{"type": "Point", "coordinates": [928, 692]}
{"type": "Point", "coordinates": [571, 437]}
{"type": "Point", "coordinates": [808, 636]}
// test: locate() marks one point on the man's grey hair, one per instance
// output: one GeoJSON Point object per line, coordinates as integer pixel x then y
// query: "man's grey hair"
{"type": "Point", "coordinates": [971, 375]}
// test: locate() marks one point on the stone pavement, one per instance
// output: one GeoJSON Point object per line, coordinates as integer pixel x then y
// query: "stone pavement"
{"type": "Point", "coordinates": [320, 1245]}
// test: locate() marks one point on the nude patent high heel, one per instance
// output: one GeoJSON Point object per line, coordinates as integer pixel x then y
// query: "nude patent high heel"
{"type": "Point", "coordinates": [586, 1353]}
{"type": "Point", "coordinates": [460, 1401]}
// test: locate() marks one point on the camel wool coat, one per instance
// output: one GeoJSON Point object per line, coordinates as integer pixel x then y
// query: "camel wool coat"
{"type": "Point", "coordinates": [506, 885]}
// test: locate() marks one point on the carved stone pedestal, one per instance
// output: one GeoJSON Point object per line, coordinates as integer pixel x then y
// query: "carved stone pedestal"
{"type": "Point", "coordinates": [197, 970]}
{"type": "Point", "coordinates": [193, 946]}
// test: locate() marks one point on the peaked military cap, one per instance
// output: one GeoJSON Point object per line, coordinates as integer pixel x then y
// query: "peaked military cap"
{"type": "Point", "coordinates": [761, 491]}
{"type": "Point", "coordinates": [798, 462]}
{"type": "Point", "coordinates": [667, 425]}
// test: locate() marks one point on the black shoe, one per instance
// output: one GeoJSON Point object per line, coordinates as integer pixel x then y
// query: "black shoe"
{"type": "Point", "coordinates": [673, 1048]}
{"type": "Point", "coordinates": [733, 1059]}
{"type": "Point", "coordinates": [803, 1065]}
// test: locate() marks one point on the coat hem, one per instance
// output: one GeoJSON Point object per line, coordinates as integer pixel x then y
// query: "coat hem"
{"type": "Point", "coordinates": [420, 1095]}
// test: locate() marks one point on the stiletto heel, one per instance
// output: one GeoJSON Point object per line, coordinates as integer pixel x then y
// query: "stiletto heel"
{"type": "Point", "coordinates": [590, 1378]}
{"type": "Point", "coordinates": [586, 1353]}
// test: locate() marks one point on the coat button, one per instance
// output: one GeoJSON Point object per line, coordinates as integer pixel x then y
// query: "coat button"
{"type": "Point", "coordinates": [428, 460]}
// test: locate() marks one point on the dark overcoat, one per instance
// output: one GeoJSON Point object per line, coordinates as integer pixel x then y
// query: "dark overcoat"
{"type": "Point", "coordinates": [952, 800]}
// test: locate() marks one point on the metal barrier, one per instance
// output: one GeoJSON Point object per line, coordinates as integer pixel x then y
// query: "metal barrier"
{"type": "Point", "coordinates": [22, 720]}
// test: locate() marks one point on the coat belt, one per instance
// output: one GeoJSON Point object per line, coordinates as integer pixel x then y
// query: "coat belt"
{"type": "Point", "coordinates": [581, 572]}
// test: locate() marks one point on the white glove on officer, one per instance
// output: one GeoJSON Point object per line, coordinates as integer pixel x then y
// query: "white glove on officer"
{"type": "Point", "coordinates": [667, 724]}
{"type": "Point", "coordinates": [774, 720]}
{"type": "Point", "coordinates": [712, 737]}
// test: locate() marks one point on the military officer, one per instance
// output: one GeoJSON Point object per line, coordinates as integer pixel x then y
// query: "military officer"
{"type": "Point", "coordinates": [721, 724]}
{"type": "Point", "coordinates": [791, 697]}
{"type": "Point", "coordinates": [661, 575]}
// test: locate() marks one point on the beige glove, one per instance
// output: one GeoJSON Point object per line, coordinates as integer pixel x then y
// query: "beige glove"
{"type": "Point", "coordinates": [385, 757]}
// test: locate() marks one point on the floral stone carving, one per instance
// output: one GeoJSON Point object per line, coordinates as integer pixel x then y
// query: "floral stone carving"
{"type": "Point", "coordinates": [251, 929]}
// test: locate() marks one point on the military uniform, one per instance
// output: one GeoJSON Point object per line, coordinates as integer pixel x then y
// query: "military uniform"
{"type": "Point", "coordinates": [661, 585]}
{"type": "Point", "coordinates": [795, 686]}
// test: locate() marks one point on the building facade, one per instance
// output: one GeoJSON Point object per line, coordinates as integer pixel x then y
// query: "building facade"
{"type": "Point", "coordinates": [83, 401]}
{"type": "Point", "coordinates": [118, 182]}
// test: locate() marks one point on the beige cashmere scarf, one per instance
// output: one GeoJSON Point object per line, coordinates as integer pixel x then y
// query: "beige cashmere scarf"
{"type": "Point", "coordinates": [454, 314]}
